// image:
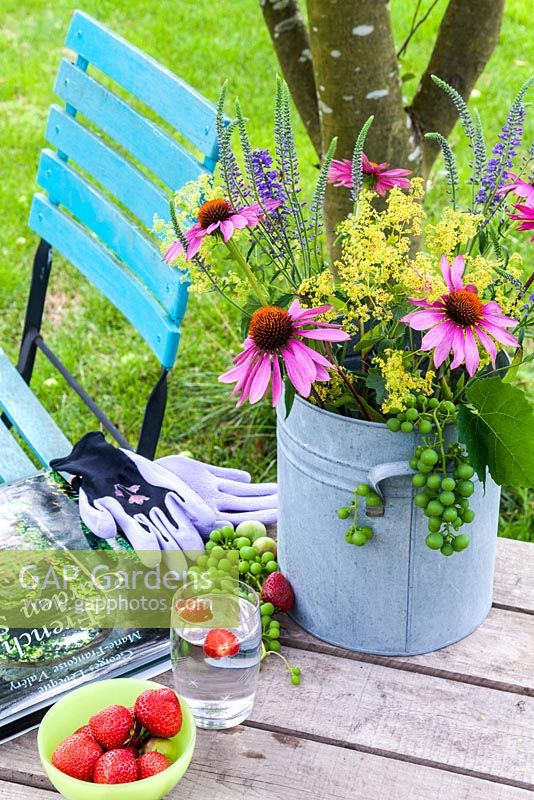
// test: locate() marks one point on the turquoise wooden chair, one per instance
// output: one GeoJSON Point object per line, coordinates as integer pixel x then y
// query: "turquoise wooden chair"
{"type": "Point", "coordinates": [106, 238]}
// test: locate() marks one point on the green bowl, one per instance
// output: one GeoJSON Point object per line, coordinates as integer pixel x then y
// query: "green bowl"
{"type": "Point", "coordinates": [74, 710]}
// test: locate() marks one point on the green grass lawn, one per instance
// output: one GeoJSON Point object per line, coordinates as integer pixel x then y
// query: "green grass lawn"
{"type": "Point", "coordinates": [205, 43]}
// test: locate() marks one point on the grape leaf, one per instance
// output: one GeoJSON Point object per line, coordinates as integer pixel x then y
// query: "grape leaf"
{"type": "Point", "coordinates": [497, 428]}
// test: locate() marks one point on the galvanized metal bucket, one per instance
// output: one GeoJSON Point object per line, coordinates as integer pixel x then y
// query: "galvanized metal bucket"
{"type": "Point", "coordinates": [394, 596]}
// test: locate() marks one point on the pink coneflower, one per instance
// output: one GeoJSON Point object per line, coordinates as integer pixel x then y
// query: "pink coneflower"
{"type": "Point", "coordinates": [377, 176]}
{"type": "Point", "coordinates": [526, 216]}
{"type": "Point", "coordinates": [519, 187]}
{"type": "Point", "coordinates": [458, 320]}
{"type": "Point", "coordinates": [218, 216]}
{"type": "Point", "coordinates": [273, 334]}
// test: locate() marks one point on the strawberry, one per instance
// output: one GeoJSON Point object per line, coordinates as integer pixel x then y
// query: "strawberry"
{"type": "Point", "coordinates": [85, 730]}
{"type": "Point", "coordinates": [277, 590]}
{"type": "Point", "coordinates": [150, 764]}
{"type": "Point", "coordinates": [193, 610]}
{"type": "Point", "coordinates": [76, 756]}
{"type": "Point", "coordinates": [158, 710]}
{"type": "Point", "coordinates": [111, 726]}
{"type": "Point", "coordinates": [220, 643]}
{"type": "Point", "coordinates": [115, 766]}
{"type": "Point", "coordinates": [131, 749]}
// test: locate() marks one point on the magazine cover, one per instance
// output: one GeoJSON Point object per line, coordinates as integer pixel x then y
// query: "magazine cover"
{"type": "Point", "coordinates": [38, 664]}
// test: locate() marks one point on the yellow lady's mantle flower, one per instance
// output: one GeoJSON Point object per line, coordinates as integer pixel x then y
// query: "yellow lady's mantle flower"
{"type": "Point", "coordinates": [401, 381]}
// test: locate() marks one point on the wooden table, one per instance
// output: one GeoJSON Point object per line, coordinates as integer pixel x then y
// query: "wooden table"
{"type": "Point", "coordinates": [457, 724]}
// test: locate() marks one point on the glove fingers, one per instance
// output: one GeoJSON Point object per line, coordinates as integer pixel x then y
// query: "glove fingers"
{"type": "Point", "coordinates": [97, 518]}
{"type": "Point", "coordinates": [186, 533]}
{"type": "Point", "coordinates": [268, 516]}
{"type": "Point", "coordinates": [157, 475]}
{"type": "Point", "coordinates": [181, 465]}
{"type": "Point", "coordinates": [164, 533]}
{"type": "Point", "coordinates": [247, 489]}
{"type": "Point", "coordinates": [247, 504]}
{"type": "Point", "coordinates": [139, 537]}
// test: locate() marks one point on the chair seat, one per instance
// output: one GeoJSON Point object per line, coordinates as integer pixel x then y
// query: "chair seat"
{"type": "Point", "coordinates": [31, 421]}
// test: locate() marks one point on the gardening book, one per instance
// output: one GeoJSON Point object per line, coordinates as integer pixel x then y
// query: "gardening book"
{"type": "Point", "coordinates": [38, 664]}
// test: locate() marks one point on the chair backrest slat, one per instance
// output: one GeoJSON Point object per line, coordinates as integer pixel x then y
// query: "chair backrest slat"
{"type": "Point", "coordinates": [141, 137]}
{"type": "Point", "coordinates": [119, 285]}
{"type": "Point", "coordinates": [102, 217]}
{"type": "Point", "coordinates": [172, 99]}
{"type": "Point", "coordinates": [117, 175]}
{"type": "Point", "coordinates": [110, 173]}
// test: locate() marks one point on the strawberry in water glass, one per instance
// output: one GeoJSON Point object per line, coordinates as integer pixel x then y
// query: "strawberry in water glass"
{"type": "Point", "coordinates": [216, 655]}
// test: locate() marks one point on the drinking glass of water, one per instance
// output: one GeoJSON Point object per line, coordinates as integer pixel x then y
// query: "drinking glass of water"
{"type": "Point", "coordinates": [216, 651]}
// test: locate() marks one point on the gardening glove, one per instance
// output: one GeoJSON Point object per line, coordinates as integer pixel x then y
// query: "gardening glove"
{"type": "Point", "coordinates": [119, 489]}
{"type": "Point", "coordinates": [227, 491]}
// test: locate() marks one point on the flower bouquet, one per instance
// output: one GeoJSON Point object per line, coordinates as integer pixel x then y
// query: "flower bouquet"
{"type": "Point", "coordinates": [416, 328]}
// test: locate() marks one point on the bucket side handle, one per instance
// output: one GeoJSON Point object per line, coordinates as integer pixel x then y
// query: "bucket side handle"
{"type": "Point", "coordinates": [381, 472]}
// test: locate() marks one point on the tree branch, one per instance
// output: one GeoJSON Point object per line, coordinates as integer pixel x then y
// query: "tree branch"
{"type": "Point", "coordinates": [289, 35]}
{"type": "Point", "coordinates": [467, 37]}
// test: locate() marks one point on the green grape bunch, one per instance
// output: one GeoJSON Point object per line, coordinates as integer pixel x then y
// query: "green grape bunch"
{"type": "Point", "coordinates": [248, 551]}
{"type": "Point", "coordinates": [356, 534]}
{"type": "Point", "coordinates": [442, 472]}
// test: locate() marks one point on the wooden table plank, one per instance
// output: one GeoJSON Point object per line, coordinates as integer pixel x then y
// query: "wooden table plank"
{"type": "Point", "coordinates": [427, 719]}
{"type": "Point", "coordinates": [514, 575]}
{"type": "Point", "coordinates": [499, 654]}
{"type": "Point", "coordinates": [250, 764]}
{"type": "Point", "coordinates": [16, 791]}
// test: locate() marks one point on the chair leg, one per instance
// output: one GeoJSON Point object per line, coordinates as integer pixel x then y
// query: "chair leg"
{"type": "Point", "coordinates": [42, 264]}
{"type": "Point", "coordinates": [153, 419]}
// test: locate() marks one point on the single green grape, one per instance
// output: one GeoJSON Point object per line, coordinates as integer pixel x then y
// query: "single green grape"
{"type": "Point", "coordinates": [248, 553]}
{"type": "Point", "coordinates": [266, 557]}
{"type": "Point", "coordinates": [434, 508]}
{"type": "Point", "coordinates": [274, 634]}
{"type": "Point", "coordinates": [448, 406]}
{"type": "Point", "coordinates": [412, 414]}
{"type": "Point", "coordinates": [413, 462]}
{"type": "Point", "coordinates": [410, 401]}
{"type": "Point", "coordinates": [468, 515]}
{"type": "Point", "coordinates": [429, 457]}
{"type": "Point", "coordinates": [450, 514]}
{"type": "Point", "coordinates": [434, 541]}
{"type": "Point", "coordinates": [216, 535]}
{"type": "Point", "coordinates": [212, 563]}
{"type": "Point", "coordinates": [447, 549]}
{"type": "Point", "coordinates": [275, 645]}
{"type": "Point", "coordinates": [255, 568]}
{"type": "Point", "coordinates": [363, 489]}
{"type": "Point", "coordinates": [208, 547]}
{"type": "Point", "coordinates": [463, 503]}
{"type": "Point", "coordinates": [343, 513]}
{"type": "Point", "coordinates": [295, 679]}
{"type": "Point", "coordinates": [367, 532]}
{"type": "Point", "coordinates": [434, 481]}
{"type": "Point", "coordinates": [448, 484]}
{"type": "Point", "coordinates": [393, 425]}
{"type": "Point", "coordinates": [433, 402]}
{"type": "Point", "coordinates": [271, 566]}
{"type": "Point", "coordinates": [358, 538]}
{"type": "Point", "coordinates": [373, 500]}
{"type": "Point", "coordinates": [244, 567]}
{"type": "Point", "coordinates": [202, 561]}
{"type": "Point", "coordinates": [447, 498]}
{"type": "Point", "coordinates": [465, 471]}
{"type": "Point", "coordinates": [465, 488]}
{"type": "Point", "coordinates": [225, 565]}
{"type": "Point", "coordinates": [419, 480]}
{"type": "Point", "coordinates": [425, 426]}
{"type": "Point", "coordinates": [421, 500]}
{"type": "Point", "coordinates": [460, 542]}
{"type": "Point", "coordinates": [217, 551]}
{"type": "Point", "coordinates": [267, 608]}
{"type": "Point", "coordinates": [406, 427]}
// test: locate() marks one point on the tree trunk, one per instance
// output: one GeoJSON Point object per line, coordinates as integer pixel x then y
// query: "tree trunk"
{"type": "Point", "coordinates": [356, 75]}
{"type": "Point", "coordinates": [467, 37]}
{"type": "Point", "coordinates": [289, 36]}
